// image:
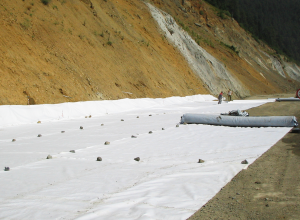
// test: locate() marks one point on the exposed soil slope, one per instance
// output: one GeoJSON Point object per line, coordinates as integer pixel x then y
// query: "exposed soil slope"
{"type": "Point", "coordinates": [68, 51]}
{"type": "Point", "coordinates": [78, 50]}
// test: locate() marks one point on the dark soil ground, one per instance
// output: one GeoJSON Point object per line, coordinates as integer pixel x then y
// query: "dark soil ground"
{"type": "Point", "coordinates": [270, 187]}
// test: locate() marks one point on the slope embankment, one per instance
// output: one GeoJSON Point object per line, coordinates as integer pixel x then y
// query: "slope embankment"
{"type": "Point", "coordinates": [228, 56]}
{"type": "Point", "coordinates": [80, 50]}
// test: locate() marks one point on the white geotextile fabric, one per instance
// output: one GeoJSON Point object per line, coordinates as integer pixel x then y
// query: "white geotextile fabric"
{"type": "Point", "coordinates": [228, 120]}
{"type": "Point", "coordinates": [24, 114]}
{"type": "Point", "coordinates": [167, 183]}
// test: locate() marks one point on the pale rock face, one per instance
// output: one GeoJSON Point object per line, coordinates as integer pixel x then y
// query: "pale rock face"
{"type": "Point", "coordinates": [275, 64]}
{"type": "Point", "coordinates": [261, 63]}
{"type": "Point", "coordinates": [211, 71]}
{"type": "Point", "coordinates": [293, 71]}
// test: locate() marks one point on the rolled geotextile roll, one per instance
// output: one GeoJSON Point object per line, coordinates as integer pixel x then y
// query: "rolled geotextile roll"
{"type": "Point", "coordinates": [239, 121]}
{"type": "Point", "coordinates": [287, 99]}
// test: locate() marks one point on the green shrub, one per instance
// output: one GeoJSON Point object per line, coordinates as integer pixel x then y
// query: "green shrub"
{"type": "Point", "coordinates": [227, 13]}
{"type": "Point", "coordinates": [46, 2]}
{"type": "Point", "coordinates": [224, 14]}
{"type": "Point", "coordinates": [233, 48]}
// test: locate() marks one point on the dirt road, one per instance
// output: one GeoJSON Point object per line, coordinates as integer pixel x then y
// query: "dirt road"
{"type": "Point", "coordinates": [270, 187]}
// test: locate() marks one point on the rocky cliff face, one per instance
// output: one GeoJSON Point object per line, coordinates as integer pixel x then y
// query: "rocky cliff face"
{"type": "Point", "coordinates": [72, 50]}
{"type": "Point", "coordinates": [211, 71]}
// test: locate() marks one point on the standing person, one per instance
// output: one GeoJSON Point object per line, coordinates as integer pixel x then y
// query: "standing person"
{"type": "Point", "coordinates": [220, 97]}
{"type": "Point", "coordinates": [229, 95]}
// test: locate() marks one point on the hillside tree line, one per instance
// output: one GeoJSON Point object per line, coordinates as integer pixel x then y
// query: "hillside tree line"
{"type": "Point", "coordinates": [276, 22]}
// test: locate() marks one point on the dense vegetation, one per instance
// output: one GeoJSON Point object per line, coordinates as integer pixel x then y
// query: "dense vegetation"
{"type": "Point", "coordinates": [275, 22]}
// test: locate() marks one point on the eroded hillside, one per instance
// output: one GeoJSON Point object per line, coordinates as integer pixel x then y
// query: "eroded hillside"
{"type": "Point", "coordinates": [257, 68]}
{"type": "Point", "coordinates": [72, 50]}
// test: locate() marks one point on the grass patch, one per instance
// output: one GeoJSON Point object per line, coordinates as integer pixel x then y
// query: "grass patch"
{"type": "Point", "coordinates": [184, 27]}
{"type": "Point", "coordinates": [25, 24]}
{"type": "Point", "coordinates": [81, 36]}
{"type": "Point", "coordinates": [209, 43]}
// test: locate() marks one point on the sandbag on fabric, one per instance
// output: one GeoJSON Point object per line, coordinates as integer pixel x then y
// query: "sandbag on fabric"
{"type": "Point", "coordinates": [287, 99]}
{"type": "Point", "coordinates": [237, 121]}
{"type": "Point", "coordinates": [237, 113]}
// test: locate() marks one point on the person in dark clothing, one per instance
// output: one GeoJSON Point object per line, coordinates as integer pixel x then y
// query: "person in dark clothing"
{"type": "Point", "coordinates": [220, 97]}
